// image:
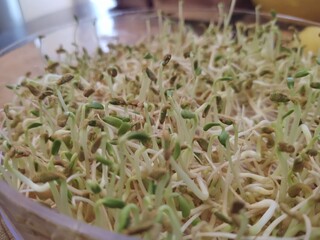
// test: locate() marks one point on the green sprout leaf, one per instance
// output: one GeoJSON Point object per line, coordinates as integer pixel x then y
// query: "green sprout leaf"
{"type": "Point", "coordinates": [124, 219]}
{"type": "Point", "coordinates": [176, 151]}
{"type": "Point", "coordinates": [210, 125]}
{"type": "Point", "coordinates": [55, 147]}
{"type": "Point", "coordinates": [188, 114]}
{"type": "Point", "coordinates": [302, 73]}
{"type": "Point", "coordinates": [68, 155]}
{"type": "Point", "coordinates": [196, 68]}
{"type": "Point", "coordinates": [124, 128]}
{"type": "Point", "coordinates": [109, 149]}
{"type": "Point", "coordinates": [140, 136]}
{"type": "Point", "coordinates": [197, 71]}
{"type": "Point", "coordinates": [223, 217]}
{"type": "Point", "coordinates": [95, 105]}
{"type": "Point", "coordinates": [290, 82]}
{"type": "Point", "coordinates": [315, 85]}
{"type": "Point", "coordinates": [218, 57]}
{"type": "Point", "coordinates": [225, 78]}
{"type": "Point", "coordinates": [93, 186]}
{"type": "Point", "coordinates": [104, 161]}
{"type": "Point", "coordinates": [35, 113]}
{"type": "Point", "coordinates": [223, 138]}
{"type": "Point", "coordinates": [169, 92]}
{"type": "Point", "coordinates": [148, 56]}
{"type": "Point", "coordinates": [184, 206]}
{"type": "Point", "coordinates": [273, 14]}
{"type": "Point", "coordinates": [113, 121]}
{"type": "Point", "coordinates": [124, 216]}
{"type": "Point", "coordinates": [287, 114]}
{"type": "Point", "coordinates": [34, 125]}
{"type": "Point", "coordinates": [112, 202]}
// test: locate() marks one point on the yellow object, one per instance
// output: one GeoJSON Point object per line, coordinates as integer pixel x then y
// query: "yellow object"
{"type": "Point", "coordinates": [310, 38]}
{"type": "Point", "coordinates": [307, 9]}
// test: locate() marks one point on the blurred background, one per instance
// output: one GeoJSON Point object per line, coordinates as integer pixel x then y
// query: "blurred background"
{"type": "Point", "coordinates": [21, 18]}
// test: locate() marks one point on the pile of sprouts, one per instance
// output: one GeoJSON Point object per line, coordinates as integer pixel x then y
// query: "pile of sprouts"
{"type": "Point", "coordinates": [180, 136]}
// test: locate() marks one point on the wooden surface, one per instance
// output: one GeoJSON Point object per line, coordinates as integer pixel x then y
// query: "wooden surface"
{"type": "Point", "coordinates": [16, 64]}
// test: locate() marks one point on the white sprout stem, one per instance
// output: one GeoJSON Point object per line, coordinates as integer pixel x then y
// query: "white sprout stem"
{"type": "Point", "coordinates": [76, 199]}
{"type": "Point", "coordinates": [173, 218]}
{"type": "Point", "coordinates": [295, 125]}
{"type": "Point", "coordinates": [74, 176]}
{"type": "Point", "coordinates": [255, 177]}
{"type": "Point", "coordinates": [36, 187]}
{"type": "Point", "coordinates": [63, 104]}
{"type": "Point", "coordinates": [190, 183]}
{"type": "Point", "coordinates": [272, 206]}
{"type": "Point", "coordinates": [278, 220]}
{"type": "Point", "coordinates": [144, 89]}
{"type": "Point", "coordinates": [234, 236]}
{"type": "Point", "coordinates": [225, 191]}
{"type": "Point", "coordinates": [189, 222]}
{"type": "Point", "coordinates": [232, 6]}
{"type": "Point", "coordinates": [308, 227]}
{"type": "Point", "coordinates": [306, 132]}
{"type": "Point", "coordinates": [76, 191]}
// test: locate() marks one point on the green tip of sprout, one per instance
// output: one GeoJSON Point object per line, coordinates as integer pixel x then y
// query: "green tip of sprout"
{"type": "Point", "coordinates": [210, 125]}
{"type": "Point", "coordinates": [184, 206]}
{"type": "Point", "coordinates": [186, 114]}
{"type": "Point", "coordinates": [34, 125]}
{"type": "Point", "coordinates": [95, 105]}
{"type": "Point", "coordinates": [111, 202]}
{"type": "Point", "coordinates": [140, 136]}
{"type": "Point", "coordinates": [55, 147]}
{"type": "Point", "coordinates": [124, 128]}
{"type": "Point", "coordinates": [290, 82]}
{"type": "Point", "coordinates": [148, 56]}
{"type": "Point", "coordinates": [315, 85]}
{"type": "Point", "coordinates": [223, 138]}
{"type": "Point", "coordinates": [93, 186]}
{"type": "Point", "coordinates": [302, 73]}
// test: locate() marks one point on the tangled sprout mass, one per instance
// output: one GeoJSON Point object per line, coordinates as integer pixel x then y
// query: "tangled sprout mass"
{"type": "Point", "coordinates": [182, 136]}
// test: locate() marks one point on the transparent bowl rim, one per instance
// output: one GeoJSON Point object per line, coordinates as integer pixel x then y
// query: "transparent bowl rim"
{"type": "Point", "coordinates": [119, 13]}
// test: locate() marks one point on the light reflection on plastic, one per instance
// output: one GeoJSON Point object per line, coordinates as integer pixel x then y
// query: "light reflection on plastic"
{"type": "Point", "coordinates": [105, 23]}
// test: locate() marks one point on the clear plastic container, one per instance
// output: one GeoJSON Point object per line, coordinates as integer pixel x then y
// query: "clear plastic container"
{"type": "Point", "coordinates": [25, 218]}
